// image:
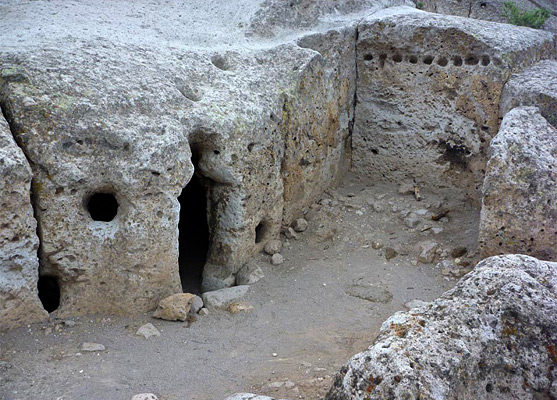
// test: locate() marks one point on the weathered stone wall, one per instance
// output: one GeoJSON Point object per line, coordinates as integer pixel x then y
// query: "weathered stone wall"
{"type": "Point", "coordinates": [19, 263]}
{"type": "Point", "coordinates": [428, 95]}
{"type": "Point", "coordinates": [519, 210]}
{"type": "Point", "coordinates": [87, 131]}
{"type": "Point", "coordinates": [317, 120]}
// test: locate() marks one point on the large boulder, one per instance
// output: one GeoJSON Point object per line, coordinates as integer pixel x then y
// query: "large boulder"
{"type": "Point", "coordinates": [519, 210]}
{"type": "Point", "coordinates": [19, 263]}
{"type": "Point", "coordinates": [535, 86]}
{"type": "Point", "coordinates": [492, 336]}
{"type": "Point", "coordinates": [428, 94]}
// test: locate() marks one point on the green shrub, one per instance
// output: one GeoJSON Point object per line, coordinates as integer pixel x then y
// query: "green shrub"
{"type": "Point", "coordinates": [532, 18]}
{"type": "Point", "coordinates": [420, 5]}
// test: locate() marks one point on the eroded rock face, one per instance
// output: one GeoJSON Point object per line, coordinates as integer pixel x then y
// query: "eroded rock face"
{"type": "Point", "coordinates": [535, 86]}
{"type": "Point", "coordinates": [115, 127]}
{"type": "Point", "coordinates": [19, 263]}
{"type": "Point", "coordinates": [492, 336]}
{"type": "Point", "coordinates": [428, 94]}
{"type": "Point", "coordinates": [519, 211]}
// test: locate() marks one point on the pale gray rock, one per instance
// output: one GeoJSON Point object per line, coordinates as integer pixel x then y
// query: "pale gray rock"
{"type": "Point", "coordinates": [196, 304]}
{"type": "Point", "coordinates": [290, 233]}
{"type": "Point", "coordinates": [148, 330]}
{"type": "Point", "coordinates": [519, 210]}
{"type": "Point", "coordinates": [427, 251]}
{"type": "Point", "coordinates": [492, 335]}
{"type": "Point", "coordinates": [19, 301]}
{"type": "Point", "coordinates": [535, 86]}
{"type": "Point", "coordinates": [300, 225]}
{"type": "Point", "coordinates": [411, 221]}
{"type": "Point", "coordinates": [203, 312]}
{"type": "Point", "coordinates": [277, 259]}
{"type": "Point", "coordinates": [273, 246]}
{"type": "Point", "coordinates": [428, 94]}
{"type": "Point", "coordinates": [92, 347]}
{"type": "Point", "coordinates": [221, 299]}
{"type": "Point", "coordinates": [250, 273]}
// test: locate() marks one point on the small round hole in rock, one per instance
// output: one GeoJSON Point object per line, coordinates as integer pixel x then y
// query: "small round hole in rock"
{"type": "Point", "coordinates": [368, 57]}
{"type": "Point", "coordinates": [485, 60]}
{"type": "Point", "coordinates": [442, 61]}
{"type": "Point", "coordinates": [102, 207]}
{"type": "Point", "coordinates": [49, 292]}
{"type": "Point", "coordinates": [457, 61]}
{"type": "Point", "coordinates": [413, 59]}
{"type": "Point", "coordinates": [397, 58]}
{"type": "Point", "coordinates": [428, 60]}
{"type": "Point", "coordinates": [471, 59]}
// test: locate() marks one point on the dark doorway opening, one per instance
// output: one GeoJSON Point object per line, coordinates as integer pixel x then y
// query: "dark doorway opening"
{"type": "Point", "coordinates": [49, 292]}
{"type": "Point", "coordinates": [193, 236]}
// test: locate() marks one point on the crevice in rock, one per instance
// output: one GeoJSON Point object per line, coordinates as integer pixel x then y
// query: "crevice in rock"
{"type": "Point", "coordinates": [8, 116]}
{"type": "Point", "coordinates": [355, 98]}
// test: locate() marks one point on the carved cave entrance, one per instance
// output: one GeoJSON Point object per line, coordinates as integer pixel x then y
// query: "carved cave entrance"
{"type": "Point", "coordinates": [193, 235]}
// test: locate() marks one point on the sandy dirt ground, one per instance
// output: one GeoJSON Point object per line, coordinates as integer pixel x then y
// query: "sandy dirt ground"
{"type": "Point", "coordinates": [325, 303]}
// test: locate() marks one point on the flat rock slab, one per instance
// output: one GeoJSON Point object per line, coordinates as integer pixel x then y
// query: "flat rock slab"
{"type": "Point", "coordinates": [519, 211]}
{"type": "Point", "coordinates": [92, 347]}
{"type": "Point", "coordinates": [492, 335]}
{"type": "Point", "coordinates": [222, 298]}
{"type": "Point", "coordinates": [375, 294]}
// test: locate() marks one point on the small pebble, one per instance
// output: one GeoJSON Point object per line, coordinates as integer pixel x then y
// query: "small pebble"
{"type": "Point", "coordinates": [92, 347]}
{"type": "Point", "coordinates": [277, 259]}
{"type": "Point", "coordinates": [390, 253]}
{"type": "Point", "coordinates": [300, 225]}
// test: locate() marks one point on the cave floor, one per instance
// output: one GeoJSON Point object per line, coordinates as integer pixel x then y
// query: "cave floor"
{"type": "Point", "coordinates": [303, 327]}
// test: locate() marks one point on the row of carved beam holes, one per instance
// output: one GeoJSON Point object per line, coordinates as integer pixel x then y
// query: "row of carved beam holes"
{"type": "Point", "coordinates": [471, 59]}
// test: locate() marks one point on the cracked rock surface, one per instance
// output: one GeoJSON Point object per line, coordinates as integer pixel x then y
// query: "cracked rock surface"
{"type": "Point", "coordinates": [18, 238]}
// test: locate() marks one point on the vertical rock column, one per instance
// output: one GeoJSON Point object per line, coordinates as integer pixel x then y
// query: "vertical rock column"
{"type": "Point", "coordinates": [19, 264]}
